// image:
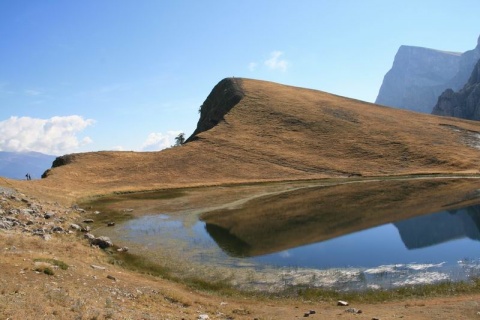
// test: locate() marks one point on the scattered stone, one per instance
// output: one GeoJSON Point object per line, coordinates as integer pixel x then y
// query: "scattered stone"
{"type": "Point", "coordinates": [90, 237]}
{"type": "Point", "coordinates": [58, 229]}
{"type": "Point", "coordinates": [353, 310]}
{"type": "Point", "coordinates": [27, 211]}
{"type": "Point", "coordinates": [97, 267]}
{"type": "Point", "coordinates": [375, 318]}
{"type": "Point", "coordinates": [342, 303]}
{"type": "Point", "coordinates": [203, 317]}
{"type": "Point", "coordinates": [122, 249]}
{"type": "Point", "coordinates": [49, 215]}
{"type": "Point", "coordinates": [77, 208]}
{"type": "Point", "coordinates": [306, 314]}
{"type": "Point", "coordinates": [46, 237]}
{"type": "Point", "coordinates": [5, 225]}
{"type": "Point", "coordinates": [38, 232]}
{"type": "Point", "coordinates": [75, 227]}
{"type": "Point", "coordinates": [96, 212]}
{"type": "Point", "coordinates": [102, 242]}
{"type": "Point", "coordinates": [110, 224]}
{"type": "Point", "coordinates": [111, 278]}
{"type": "Point", "coordinates": [128, 210]}
{"type": "Point", "coordinates": [312, 311]}
{"type": "Point", "coordinates": [86, 229]}
{"type": "Point", "coordinates": [88, 220]}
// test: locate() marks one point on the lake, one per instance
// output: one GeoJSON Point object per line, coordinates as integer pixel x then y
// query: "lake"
{"type": "Point", "coordinates": [345, 236]}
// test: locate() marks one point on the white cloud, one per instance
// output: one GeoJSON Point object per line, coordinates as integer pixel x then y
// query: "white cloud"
{"type": "Point", "coordinates": [158, 141]}
{"type": "Point", "coordinates": [57, 135]}
{"type": "Point", "coordinates": [252, 66]}
{"type": "Point", "coordinates": [86, 140]}
{"type": "Point", "coordinates": [275, 62]}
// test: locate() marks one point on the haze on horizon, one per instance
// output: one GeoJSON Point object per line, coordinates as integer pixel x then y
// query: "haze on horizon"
{"type": "Point", "coordinates": [120, 75]}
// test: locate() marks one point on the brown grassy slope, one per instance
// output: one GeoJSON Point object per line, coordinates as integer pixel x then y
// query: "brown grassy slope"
{"type": "Point", "coordinates": [279, 132]}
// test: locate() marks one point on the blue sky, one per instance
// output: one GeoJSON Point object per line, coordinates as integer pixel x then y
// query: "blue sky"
{"type": "Point", "coordinates": [129, 75]}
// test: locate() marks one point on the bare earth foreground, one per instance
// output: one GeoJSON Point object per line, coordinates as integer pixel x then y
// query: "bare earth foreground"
{"type": "Point", "coordinates": [249, 131]}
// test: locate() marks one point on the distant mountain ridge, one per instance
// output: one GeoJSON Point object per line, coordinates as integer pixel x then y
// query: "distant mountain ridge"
{"type": "Point", "coordinates": [15, 165]}
{"type": "Point", "coordinates": [419, 75]}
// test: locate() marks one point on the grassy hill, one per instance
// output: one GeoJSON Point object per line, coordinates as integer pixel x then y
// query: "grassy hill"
{"type": "Point", "coordinates": [251, 130]}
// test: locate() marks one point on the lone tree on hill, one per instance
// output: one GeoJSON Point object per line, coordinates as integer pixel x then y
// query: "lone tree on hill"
{"type": "Point", "coordinates": [180, 139]}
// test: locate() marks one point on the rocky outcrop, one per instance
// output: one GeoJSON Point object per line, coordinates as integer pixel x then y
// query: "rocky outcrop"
{"type": "Point", "coordinates": [224, 96]}
{"type": "Point", "coordinates": [419, 75]}
{"type": "Point", "coordinates": [464, 103]}
{"type": "Point", "coordinates": [58, 162]}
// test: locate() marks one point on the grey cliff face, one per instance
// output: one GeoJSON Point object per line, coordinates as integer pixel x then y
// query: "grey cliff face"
{"type": "Point", "coordinates": [419, 75]}
{"type": "Point", "coordinates": [464, 103]}
{"type": "Point", "coordinates": [466, 65]}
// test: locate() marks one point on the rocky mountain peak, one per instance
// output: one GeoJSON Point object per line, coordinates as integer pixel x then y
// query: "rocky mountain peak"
{"type": "Point", "coordinates": [464, 103]}
{"type": "Point", "coordinates": [419, 75]}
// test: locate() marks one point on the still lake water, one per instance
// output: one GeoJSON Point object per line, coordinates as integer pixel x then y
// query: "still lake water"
{"type": "Point", "coordinates": [425, 249]}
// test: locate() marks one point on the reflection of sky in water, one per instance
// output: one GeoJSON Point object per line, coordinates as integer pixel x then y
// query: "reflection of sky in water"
{"type": "Point", "coordinates": [371, 252]}
{"type": "Point", "coordinates": [373, 247]}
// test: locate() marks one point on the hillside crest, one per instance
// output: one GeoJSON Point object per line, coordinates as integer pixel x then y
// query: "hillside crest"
{"type": "Point", "coordinates": [254, 131]}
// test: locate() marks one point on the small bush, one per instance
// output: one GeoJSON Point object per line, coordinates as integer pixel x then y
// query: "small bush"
{"type": "Point", "coordinates": [62, 265]}
{"type": "Point", "coordinates": [46, 270]}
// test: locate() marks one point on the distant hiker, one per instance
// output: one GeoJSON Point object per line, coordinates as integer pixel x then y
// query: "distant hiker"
{"type": "Point", "coordinates": [28, 176]}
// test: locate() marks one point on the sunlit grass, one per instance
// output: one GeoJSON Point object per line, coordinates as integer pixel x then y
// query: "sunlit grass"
{"type": "Point", "coordinates": [445, 288]}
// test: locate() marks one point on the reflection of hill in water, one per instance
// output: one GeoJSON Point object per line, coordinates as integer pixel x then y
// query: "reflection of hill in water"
{"type": "Point", "coordinates": [279, 222]}
{"type": "Point", "coordinates": [432, 229]}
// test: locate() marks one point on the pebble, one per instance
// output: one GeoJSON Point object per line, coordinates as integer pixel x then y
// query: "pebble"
{"type": "Point", "coordinates": [342, 303]}
{"type": "Point", "coordinates": [49, 215]}
{"type": "Point", "coordinates": [97, 267]}
{"type": "Point", "coordinates": [353, 310]}
{"type": "Point", "coordinates": [75, 227]}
